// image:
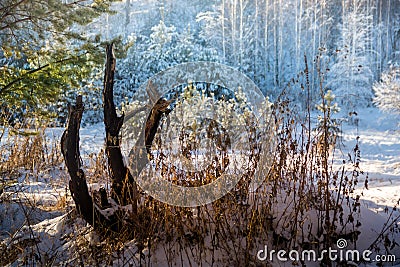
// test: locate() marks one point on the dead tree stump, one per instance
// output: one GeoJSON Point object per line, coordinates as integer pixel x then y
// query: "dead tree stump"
{"type": "Point", "coordinates": [123, 189]}
{"type": "Point", "coordinates": [77, 184]}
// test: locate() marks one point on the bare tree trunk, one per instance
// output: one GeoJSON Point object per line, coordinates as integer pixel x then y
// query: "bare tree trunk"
{"type": "Point", "coordinates": [127, 17]}
{"type": "Point", "coordinates": [77, 184]}
{"type": "Point", "coordinates": [123, 188]}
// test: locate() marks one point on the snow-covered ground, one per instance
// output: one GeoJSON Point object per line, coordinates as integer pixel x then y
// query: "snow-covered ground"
{"type": "Point", "coordinates": [56, 230]}
{"type": "Point", "coordinates": [379, 142]}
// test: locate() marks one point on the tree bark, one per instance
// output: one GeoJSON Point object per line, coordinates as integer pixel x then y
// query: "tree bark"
{"type": "Point", "coordinates": [123, 189]}
{"type": "Point", "coordinates": [77, 184]}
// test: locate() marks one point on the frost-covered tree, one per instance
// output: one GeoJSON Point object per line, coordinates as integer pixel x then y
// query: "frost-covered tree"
{"type": "Point", "coordinates": [211, 30]}
{"type": "Point", "coordinates": [266, 39]}
{"type": "Point", "coordinates": [387, 91]}
{"type": "Point", "coordinates": [164, 48]}
{"type": "Point", "coordinates": [351, 75]}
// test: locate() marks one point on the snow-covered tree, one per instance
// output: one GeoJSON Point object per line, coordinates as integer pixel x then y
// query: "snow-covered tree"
{"type": "Point", "coordinates": [351, 75]}
{"type": "Point", "coordinates": [165, 48]}
{"type": "Point", "coordinates": [387, 91]}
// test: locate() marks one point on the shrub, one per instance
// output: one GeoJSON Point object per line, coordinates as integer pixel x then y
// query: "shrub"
{"type": "Point", "coordinates": [387, 91]}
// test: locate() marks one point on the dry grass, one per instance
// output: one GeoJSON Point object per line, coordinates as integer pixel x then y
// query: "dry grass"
{"type": "Point", "coordinates": [303, 203]}
{"type": "Point", "coordinates": [28, 150]}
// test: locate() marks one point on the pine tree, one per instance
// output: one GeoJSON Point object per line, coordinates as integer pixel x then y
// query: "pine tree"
{"type": "Point", "coordinates": [43, 54]}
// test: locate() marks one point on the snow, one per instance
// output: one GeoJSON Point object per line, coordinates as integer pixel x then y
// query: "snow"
{"type": "Point", "coordinates": [60, 232]}
{"type": "Point", "coordinates": [379, 135]}
{"type": "Point", "coordinates": [92, 139]}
